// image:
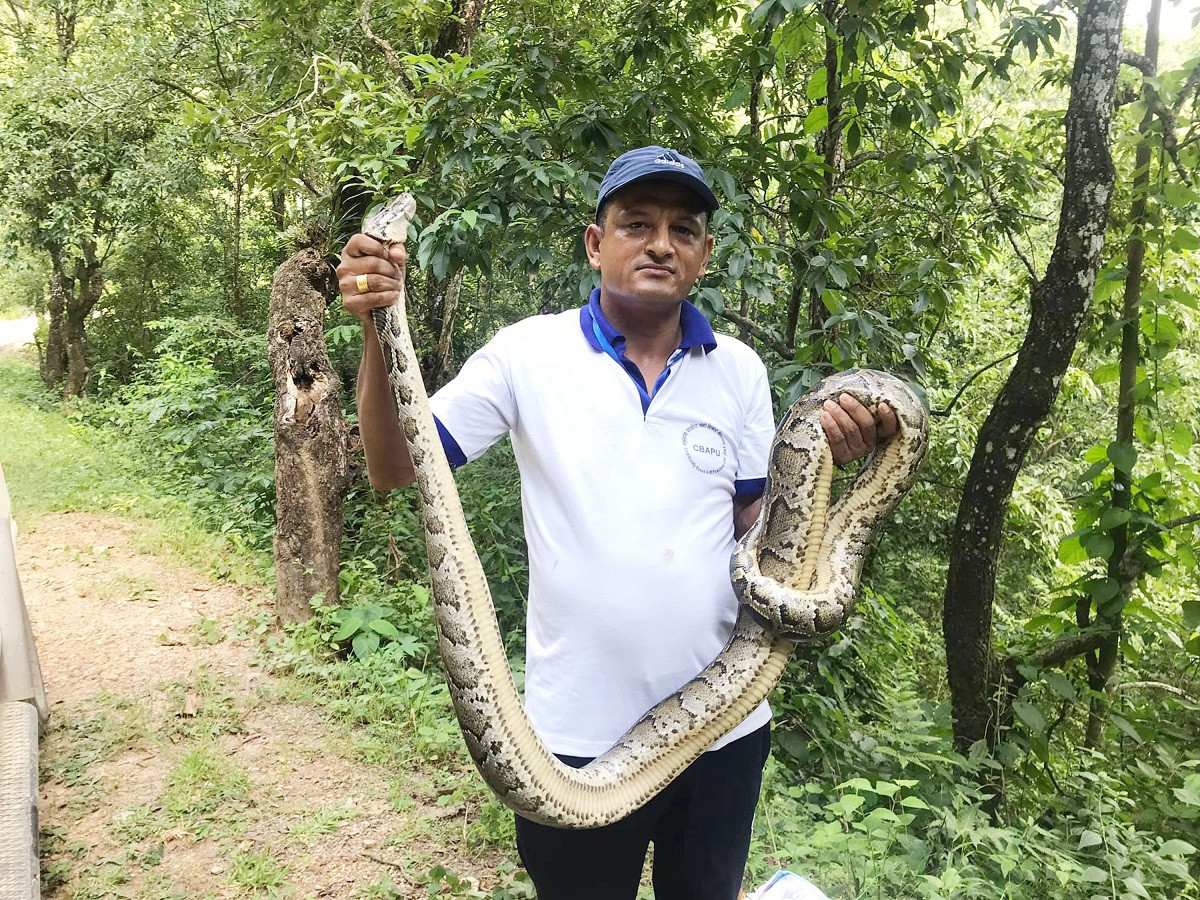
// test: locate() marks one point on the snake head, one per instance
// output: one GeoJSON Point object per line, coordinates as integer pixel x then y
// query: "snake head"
{"type": "Point", "coordinates": [390, 223]}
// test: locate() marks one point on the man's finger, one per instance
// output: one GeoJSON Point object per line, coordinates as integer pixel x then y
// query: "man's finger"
{"type": "Point", "coordinates": [888, 423]}
{"type": "Point", "coordinates": [863, 418]}
{"type": "Point", "coordinates": [365, 245]}
{"type": "Point", "coordinates": [842, 432]}
{"type": "Point", "coordinates": [351, 266]}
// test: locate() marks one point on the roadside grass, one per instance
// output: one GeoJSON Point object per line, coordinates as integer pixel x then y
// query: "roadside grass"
{"type": "Point", "coordinates": [55, 463]}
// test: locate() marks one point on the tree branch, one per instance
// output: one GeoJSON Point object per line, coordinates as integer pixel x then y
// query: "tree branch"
{"type": "Point", "coordinates": [950, 406]}
{"type": "Point", "coordinates": [389, 53]}
{"type": "Point", "coordinates": [758, 331]}
{"type": "Point", "coordinates": [1182, 520]}
{"type": "Point", "coordinates": [1067, 648]}
{"type": "Point", "coordinates": [1137, 61]}
{"type": "Point", "coordinates": [180, 89]}
{"type": "Point", "coordinates": [1011, 239]}
{"type": "Point", "coordinates": [1169, 688]}
{"type": "Point", "coordinates": [866, 156]}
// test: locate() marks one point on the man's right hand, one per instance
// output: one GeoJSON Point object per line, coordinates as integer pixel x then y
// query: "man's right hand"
{"type": "Point", "coordinates": [384, 271]}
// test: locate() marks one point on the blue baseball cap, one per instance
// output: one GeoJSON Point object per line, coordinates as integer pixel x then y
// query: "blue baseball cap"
{"type": "Point", "coordinates": [656, 163]}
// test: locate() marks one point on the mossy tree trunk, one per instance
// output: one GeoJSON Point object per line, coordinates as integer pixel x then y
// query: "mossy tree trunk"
{"type": "Point", "coordinates": [310, 438]}
{"type": "Point", "coordinates": [979, 691]}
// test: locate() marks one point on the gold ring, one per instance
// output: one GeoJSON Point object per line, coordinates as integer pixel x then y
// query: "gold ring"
{"type": "Point", "coordinates": [360, 282]}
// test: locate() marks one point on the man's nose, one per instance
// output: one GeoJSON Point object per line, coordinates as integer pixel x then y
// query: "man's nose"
{"type": "Point", "coordinates": [660, 241]}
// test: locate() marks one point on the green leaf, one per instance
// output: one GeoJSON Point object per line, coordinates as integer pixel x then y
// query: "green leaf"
{"type": "Point", "coordinates": [1029, 714]}
{"type": "Point", "coordinates": [365, 643]}
{"type": "Point", "coordinates": [1124, 725]}
{"type": "Point", "coordinates": [1182, 239]}
{"type": "Point", "coordinates": [1112, 517]}
{"type": "Point", "coordinates": [386, 628]}
{"type": "Point", "coordinates": [1093, 470]}
{"type": "Point", "coordinates": [1060, 684]}
{"type": "Point", "coordinates": [1089, 839]}
{"type": "Point", "coordinates": [1134, 887]}
{"type": "Point", "coordinates": [1179, 195]}
{"type": "Point", "coordinates": [1071, 552]}
{"type": "Point", "coordinates": [1103, 589]}
{"type": "Point", "coordinates": [817, 84]}
{"type": "Point", "coordinates": [1122, 455]}
{"type": "Point", "coordinates": [1176, 847]}
{"type": "Point", "coordinates": [1093, 874]}
{"type": "Point", "coordinates": [913, 803]}
{"type": "Point", "coordinates": [816, 120]}
{"type": "Point", "coordinates": [847, 804]}
{"type": "Point", "coordinates": [1097, 544]}
{"type": "Point", "coordinates": [1191, 614]}
{"type": "Point", "coordinates": [349, 627]}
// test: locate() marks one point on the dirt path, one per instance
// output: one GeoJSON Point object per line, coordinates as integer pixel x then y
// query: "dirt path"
{"type": "Point", "coordinates": [174, 767]}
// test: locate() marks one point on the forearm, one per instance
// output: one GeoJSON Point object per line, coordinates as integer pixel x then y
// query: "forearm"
{"type": "Point", "coordinates": [745, 511]}
{"type": "Point", "coordinates": [388, 462]}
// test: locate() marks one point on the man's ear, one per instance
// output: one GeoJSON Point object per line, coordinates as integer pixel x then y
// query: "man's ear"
{"type": "Point", "coordinates": [591, 243]}
{"type": "Point", "coordinates": [708, 246]}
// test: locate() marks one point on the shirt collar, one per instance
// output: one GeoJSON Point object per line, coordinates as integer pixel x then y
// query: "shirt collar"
{"type": "Point", "coordinates": [697, 332]}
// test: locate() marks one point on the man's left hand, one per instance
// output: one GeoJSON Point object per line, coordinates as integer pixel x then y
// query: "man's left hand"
{"type": "Point", "coordinates": [853, 430]}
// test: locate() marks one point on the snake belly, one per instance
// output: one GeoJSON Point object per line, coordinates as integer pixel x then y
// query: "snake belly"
{"type": "Point", "coordinates": [507, 751]}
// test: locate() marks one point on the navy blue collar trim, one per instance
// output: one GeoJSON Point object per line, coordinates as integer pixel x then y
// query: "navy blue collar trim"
{"type": "Point", "coordinates": [697, 332]}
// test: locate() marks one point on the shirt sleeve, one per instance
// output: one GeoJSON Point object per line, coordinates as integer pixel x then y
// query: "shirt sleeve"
{"type": "Point", "coordinates": [757, 433]}
{"type": "Point", "coordinates": [478, 407]}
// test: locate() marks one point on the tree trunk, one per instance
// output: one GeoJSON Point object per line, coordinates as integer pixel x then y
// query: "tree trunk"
{"type": "Point", "coordinates": [310, 440]}
{"type": "Point", "coordinates": [459, 31]}
{"type": "Point", "coordinates": [1100, 665]}
{"type": "Point", "coordinates": [89, 279]}
{"type": "Point", "coordinates": [831, 144]}
{"type": "Point", "coordinates": [235, 244]}
{"type": "Point", "coordinates": [54, 362]}
{"type": "Point", "coordinates": [1058, 306]}
{"type": "Point", "coordinates": [279, 216]}
{"type": "Point", "coordinates": [442, 298]}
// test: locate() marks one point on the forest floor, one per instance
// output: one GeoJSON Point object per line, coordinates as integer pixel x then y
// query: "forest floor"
{"type": "Point", "coordinates": [174, 764]}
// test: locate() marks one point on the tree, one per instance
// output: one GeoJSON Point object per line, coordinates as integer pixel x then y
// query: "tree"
{"type": "Point", "coordinates": [1058, 306]}
{"type": "Point", "coordinates": [73, 136]}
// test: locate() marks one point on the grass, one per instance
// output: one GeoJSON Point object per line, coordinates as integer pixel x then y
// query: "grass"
{"type": "Point", "coordinates": [54, 463]}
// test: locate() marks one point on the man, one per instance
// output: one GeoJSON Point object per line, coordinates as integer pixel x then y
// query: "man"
{"type": "Point", "coordinates": [642, 441]}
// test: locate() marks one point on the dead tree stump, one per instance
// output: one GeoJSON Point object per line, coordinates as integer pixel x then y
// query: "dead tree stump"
{"type": "Point", "coordinates": [310, 439]}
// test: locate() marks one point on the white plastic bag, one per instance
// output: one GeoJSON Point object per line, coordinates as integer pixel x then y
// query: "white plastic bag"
{"type": "Point", "coordinates": [788, 886]}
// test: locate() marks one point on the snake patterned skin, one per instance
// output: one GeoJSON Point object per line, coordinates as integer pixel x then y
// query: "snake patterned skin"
{"type": "Point", "coordinates": [797, 578]}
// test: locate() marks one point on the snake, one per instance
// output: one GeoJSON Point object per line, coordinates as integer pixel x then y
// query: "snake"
{"type": "Point", "coordinates": [795, 572]}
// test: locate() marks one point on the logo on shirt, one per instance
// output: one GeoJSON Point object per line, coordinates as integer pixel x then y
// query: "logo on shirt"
{"type": "Point", "coordinates": [706, 448]}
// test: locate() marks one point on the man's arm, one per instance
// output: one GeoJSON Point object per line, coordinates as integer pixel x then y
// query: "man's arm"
{"type": "Point", "coordinates": [745, 511]}
{"type": "Point", "coordinates": [852, 431]}
{"type": "Point", "coordinates": [388, 462]}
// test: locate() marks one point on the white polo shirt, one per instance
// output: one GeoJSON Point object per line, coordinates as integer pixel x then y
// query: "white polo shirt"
{"type": "Point", "coordinates": [627, 495]}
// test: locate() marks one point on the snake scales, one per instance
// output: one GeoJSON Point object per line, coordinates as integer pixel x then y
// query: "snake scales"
{"type": "Point", "coordinates": [796, 573]}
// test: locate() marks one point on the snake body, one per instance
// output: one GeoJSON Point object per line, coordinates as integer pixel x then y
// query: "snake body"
{"type": "Point", "coordinates": [796, 572]}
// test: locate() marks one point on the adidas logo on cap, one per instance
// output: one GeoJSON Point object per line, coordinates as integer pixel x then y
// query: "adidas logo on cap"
{"type": "Point", "coordinates": [668, 160]}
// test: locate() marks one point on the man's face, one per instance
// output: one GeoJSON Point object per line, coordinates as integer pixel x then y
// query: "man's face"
{"type": "Point", "coordinates": [653, 245]}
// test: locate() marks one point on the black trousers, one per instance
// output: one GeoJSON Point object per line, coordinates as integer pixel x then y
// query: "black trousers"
{"type": "Point", "coordinates": [699, 824]}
